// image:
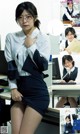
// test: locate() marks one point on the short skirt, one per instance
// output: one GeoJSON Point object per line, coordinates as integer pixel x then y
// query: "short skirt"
{"type": "Point", "coordinates": [35, 93]}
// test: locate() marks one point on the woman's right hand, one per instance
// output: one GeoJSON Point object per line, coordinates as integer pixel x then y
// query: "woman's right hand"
{"type": "Point", "coordinates": [16, 95]}
{"type": "Point", "coordinates": [29, 41]}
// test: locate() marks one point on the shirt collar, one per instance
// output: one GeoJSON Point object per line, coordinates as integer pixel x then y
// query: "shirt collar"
{"type": "Point", "coordinates": [34, 33]}
{"type": "Point", "coordinates": [72, 69]}
{"type": "Point", "coordinates": [70, 10]}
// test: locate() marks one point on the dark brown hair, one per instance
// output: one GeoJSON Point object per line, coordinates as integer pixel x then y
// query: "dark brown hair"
{"type": "Point", "coordinates": [67, 57]}
{"type": "Point", "coordinates": [70, 29]}
{"type": "Point", "coordinates": [29, 7]}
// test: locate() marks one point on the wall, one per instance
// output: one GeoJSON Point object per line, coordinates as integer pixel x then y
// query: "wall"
{"type": "Point", "coordinates": [46, 10]}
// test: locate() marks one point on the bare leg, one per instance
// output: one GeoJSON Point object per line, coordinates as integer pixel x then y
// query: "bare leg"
{"type": "Point", "coordinates": [17, 111]}
{"type": "Point", "coordinates": [72, 102]}
{"type": "Point", "coordinates": [61, 102]}
{"type": "Point", "coordinates": [30, 121]}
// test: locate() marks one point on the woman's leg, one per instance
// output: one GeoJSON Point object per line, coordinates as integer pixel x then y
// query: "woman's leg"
{"type": "Point", "coordinates": [30, 121]}
{"type": "Point", "coordinates": [17, 111]}
{"type": "Point", "coordinates": [61, 102]}
{"type": "Point", "coordinates": [72, 102]}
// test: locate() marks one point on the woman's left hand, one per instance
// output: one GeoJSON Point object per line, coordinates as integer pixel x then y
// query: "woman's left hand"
{"type": "Point", "coordinates": [16, 95]}
{"type": "Point", "coordinates": [66, 49]}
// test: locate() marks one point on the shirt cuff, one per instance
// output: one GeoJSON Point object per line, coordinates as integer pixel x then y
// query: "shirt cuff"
{"type": "Point", "coordinates": [12, 84]}
{"type": "Point", "coordinates": [32, 48]}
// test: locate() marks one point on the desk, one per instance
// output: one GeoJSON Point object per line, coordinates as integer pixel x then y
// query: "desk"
{"type": "Point", "coordinates": [6, 95]}
{"type": "Point", "coordinates": [64, 90]}
{"type": "Point", "coordinates": [3, 77]}
{"type": "Point", "coordinates": [64, 87]}
{"type": "Point", "coordinates": [67, 22]}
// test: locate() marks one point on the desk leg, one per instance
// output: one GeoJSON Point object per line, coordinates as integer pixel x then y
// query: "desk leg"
{"type": "Point", "coordinates": [52, 99]}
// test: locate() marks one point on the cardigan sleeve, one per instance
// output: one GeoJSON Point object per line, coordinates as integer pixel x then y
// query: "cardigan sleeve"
{"type": "Point", "coordinates": [9, 58]}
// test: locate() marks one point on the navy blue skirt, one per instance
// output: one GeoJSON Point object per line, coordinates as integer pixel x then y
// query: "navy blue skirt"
{"type": "Point", "coordinates": [35, 93]}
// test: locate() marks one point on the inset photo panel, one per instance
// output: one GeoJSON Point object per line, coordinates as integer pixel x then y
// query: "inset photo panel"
{"type": "Point", "coordinates": [70, 121]}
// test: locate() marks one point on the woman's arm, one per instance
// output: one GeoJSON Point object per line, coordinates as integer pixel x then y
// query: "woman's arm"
{"type": "Point", "coordinates": [8, 56]}
{"type": "Point", "coordinates": [39, 52]}
{"type": "Point", "coordinates": [16, 95]}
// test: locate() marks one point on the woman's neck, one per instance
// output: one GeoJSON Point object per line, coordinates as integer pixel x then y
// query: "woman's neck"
{"type": "Point", "coordinates": [29, 32]}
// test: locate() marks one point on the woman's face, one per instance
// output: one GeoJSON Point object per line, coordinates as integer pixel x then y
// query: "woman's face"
{"type": "Point", "coordinates": [68, 64]}
{"type": "Point", "coordinates": [67, 120]}
{"type": "Point", "coordinates": [26, 21]}
{"type": "Point", "coordinates": [70, 36]}
{"type": "Point", "coordinates": [70, 5]}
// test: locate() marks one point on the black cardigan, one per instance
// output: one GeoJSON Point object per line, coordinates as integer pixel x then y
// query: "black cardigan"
{"type": "Point", "coordinates": [71, 76]}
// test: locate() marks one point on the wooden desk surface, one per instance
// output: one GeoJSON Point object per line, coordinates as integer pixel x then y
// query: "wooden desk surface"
{"type": "Point", "coordinates": [67, 22]}
{"type": "Point", "coordinates": [70, 22]}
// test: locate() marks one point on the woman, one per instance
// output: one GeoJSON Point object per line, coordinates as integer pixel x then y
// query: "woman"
{"type": "Point", "coordinates": [68, 12]}
{"type": "Point", "coordinates": [27, 53]}
{"type": "Point", "coordinates": [70, 34]}
{"type": "Point", "coordinates": [69, 75]}
{"type": "Point", "coordinates": [68, 126]}
{"type": "Point", "coordinates": [69, 70]}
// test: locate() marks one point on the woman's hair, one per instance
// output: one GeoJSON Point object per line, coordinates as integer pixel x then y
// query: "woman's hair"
{"type": "Point", "coordinates": [67, 57]}
{"type": "Point", "coordinates": [70, 29]}
{"type": "Point", "coordinates": [68, 116]}
{"type": "Point", "coordinates": [69, 2]}
{"type": "Point", "coordinates": [30, 8]}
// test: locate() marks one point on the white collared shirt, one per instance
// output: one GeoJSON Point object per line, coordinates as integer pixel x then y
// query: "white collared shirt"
{"type": "Point", "coordinates": [15, 49]}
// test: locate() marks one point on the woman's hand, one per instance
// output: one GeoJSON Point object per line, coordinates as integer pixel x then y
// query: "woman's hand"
{"type": "Point", "coordinates": [73, 23]}
{"type": "Point", "coordinates": [29, 41]}
{"type": "Point", "coordinates": [62, 81]}
{"type": "Point", "coordinates": [16, 95]}
{"type": "Point", "coordinates": [71, 81]}
{"type": "Point", "coordinates": [67, 49]}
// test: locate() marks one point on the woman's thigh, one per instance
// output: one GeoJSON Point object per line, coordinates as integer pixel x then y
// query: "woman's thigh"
{"type": "Point", "coordinates": [30, 121]}
{"type": "Point", "coordinates": [17, 111]}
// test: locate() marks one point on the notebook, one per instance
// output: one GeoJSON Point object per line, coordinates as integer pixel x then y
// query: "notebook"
{"type": "Point", "coordinates": [74, 46]}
